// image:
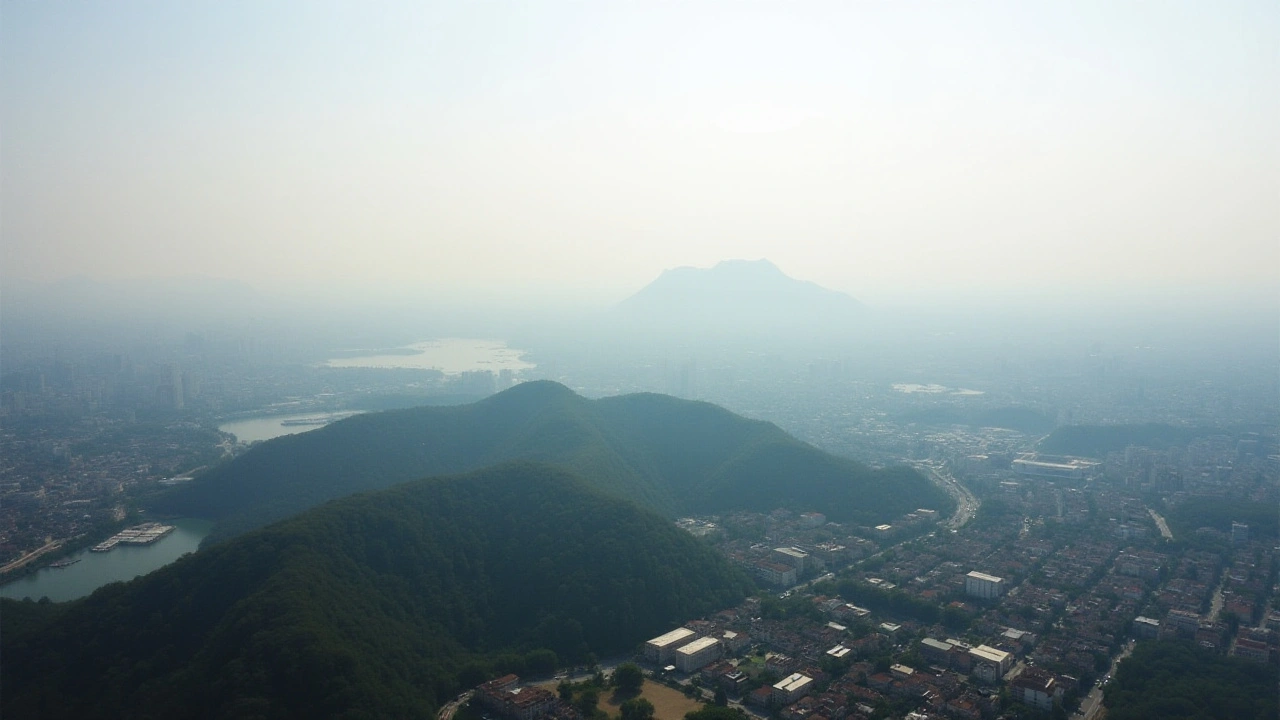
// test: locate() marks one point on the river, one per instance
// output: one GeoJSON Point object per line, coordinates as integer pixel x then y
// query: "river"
{"type": "Point", "coordinates": [97, 569]}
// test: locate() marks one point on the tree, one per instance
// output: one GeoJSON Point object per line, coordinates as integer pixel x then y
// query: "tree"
{"type": "Point", "coordinates": [711, 712]}
{"type": "Point", "coordinates": [565, 690]}
{"type": "Point", "coordinates": [541, 662]}
{"type": "Point", "coordinates": [722, 699]}
{"type": "Point", "coordinates": [637, 709]}
{"type": "Point", "coordinates": [629, 678]}
{"type": "Point", "coordinates": [587, 701]}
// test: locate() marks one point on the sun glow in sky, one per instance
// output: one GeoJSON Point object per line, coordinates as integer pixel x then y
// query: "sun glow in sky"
{"type": "Point", "coordinates": [876, 148]}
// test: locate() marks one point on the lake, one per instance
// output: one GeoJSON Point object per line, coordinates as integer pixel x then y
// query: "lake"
{"type": "Point", "coordinates": [251, 430]}
{"type": "Point", "coordinates": [448, 355]}
{"type": "Point", "coordinates": [933, 389]}
{"type": "Point", "coordinates": [97, 569]}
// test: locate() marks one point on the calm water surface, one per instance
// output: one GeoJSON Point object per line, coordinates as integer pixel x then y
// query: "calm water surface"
{"type": "Point", "coordinates": [448, 355]}
{"type": "Point", "coordinates": [264, 428]}
{"type": "Point", "coordinates": [97, 569]}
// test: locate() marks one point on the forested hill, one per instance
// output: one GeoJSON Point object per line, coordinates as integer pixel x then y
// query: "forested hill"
{"type": "Point", "coordinates": [378, 605]}
{"type": "Point", "coordinates": [1098, 440]}
{"type": "Point", "coordinates": [674, 456]}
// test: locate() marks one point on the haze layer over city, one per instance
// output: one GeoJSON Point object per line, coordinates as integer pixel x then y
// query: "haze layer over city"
{"type": "Point", "coordinates": [1005, 277]}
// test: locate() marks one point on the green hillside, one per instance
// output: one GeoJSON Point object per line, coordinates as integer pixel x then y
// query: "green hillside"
{"type": "Point", "coordinates": [378, 605]}
{"type": "Point", "coordinates": [674, 456]}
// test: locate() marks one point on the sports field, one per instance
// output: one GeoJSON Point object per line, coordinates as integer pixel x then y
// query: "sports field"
{"type": "Point", "coordinates": [668, 704]}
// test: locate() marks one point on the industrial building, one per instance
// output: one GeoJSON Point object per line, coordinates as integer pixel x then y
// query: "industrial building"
{"type": "Point", "coordinates": [1054, 466]}
{"type": "Point", "coordinates": [662, 648]}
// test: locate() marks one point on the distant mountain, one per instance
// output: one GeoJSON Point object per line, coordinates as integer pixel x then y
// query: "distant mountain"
{"type": "Point", "coordinates": [736, 296]}
{"type": "Point", "coordinates": [379, 605]}
{"type": "Point", "coordinates": [673, 456]}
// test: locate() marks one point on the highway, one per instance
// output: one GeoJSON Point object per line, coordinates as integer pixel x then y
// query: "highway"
{"type": "Point", "coordinates": [966, 503]}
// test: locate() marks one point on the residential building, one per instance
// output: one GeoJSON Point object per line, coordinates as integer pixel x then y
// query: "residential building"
{"type": "Point", "coordinates": [982, 585]}
{"type": "Point", "coordinates": [795, 557]}
{"type": "Point", "coordinates": [1251, 650]}
{"type": "Point", "coordinates": [1182, 622]}
{"type": "Point", "coordinates": [663, 648]}
{"type": "Point", "coordinates": [791, 688]}
{"type": "Point", "coordinates": [990, 664]}
{"type": "Point", "coordinates": [1239, 533]}
{"type": "Point", "coordinates": [690, 658]}
{"type": "Point", "coordinates": [1035, 687]}
{"type": "Point", "coordinates": [505, 697]}
{"type": "Point", "coordinates": [1145, 627]}
{"type": "Point", "coordinates": [775, 574]}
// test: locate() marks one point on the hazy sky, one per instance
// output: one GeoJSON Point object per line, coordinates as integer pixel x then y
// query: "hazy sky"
{"type": "Point", "coordinates": [880, 148]}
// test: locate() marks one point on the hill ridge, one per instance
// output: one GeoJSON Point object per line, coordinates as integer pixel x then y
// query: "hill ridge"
{"type": "Point", "coordinates": [375, 605]}
{"type": "Point", "coordinates": [671, 455]}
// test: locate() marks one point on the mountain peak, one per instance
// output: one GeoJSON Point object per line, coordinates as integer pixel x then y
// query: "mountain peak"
{"type": "Point", "coordinates": [736, 295]}
{"type": "Point", "coordinates": [762, 266]}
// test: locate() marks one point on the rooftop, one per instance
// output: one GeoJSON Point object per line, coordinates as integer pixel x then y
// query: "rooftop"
{"type": "Point", "coordinates": [792, 682]}
{"type": "Point", "coordinates": [672, 637]}
{"type": "Point", "coordinates": [698, 646]}
{"type": "Point", "coordinates": [988, 653]}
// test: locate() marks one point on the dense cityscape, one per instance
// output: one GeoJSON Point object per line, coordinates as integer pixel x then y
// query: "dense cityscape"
{"type": "Point", "coordinates": [1028, 597]}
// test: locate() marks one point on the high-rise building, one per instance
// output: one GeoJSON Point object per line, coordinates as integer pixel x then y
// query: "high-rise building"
{"type": "Point", "coordinates": [982, 585]}
{"type": "Point", "coordinates": [1239, 533]}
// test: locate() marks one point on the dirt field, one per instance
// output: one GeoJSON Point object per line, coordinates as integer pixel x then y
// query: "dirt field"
{"type": "Point", "coordinates": [668, 704]}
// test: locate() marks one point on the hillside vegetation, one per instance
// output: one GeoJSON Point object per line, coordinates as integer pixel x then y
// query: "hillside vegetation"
{"type": "Point", "coordinates": [673, 456]}
{"type": "Point", "coordinates": [1175, 681]}
{"type": "Point", "coordinates": [379, 605]}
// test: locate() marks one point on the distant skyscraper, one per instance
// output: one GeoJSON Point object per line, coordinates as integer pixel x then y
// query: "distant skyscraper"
{"type": "Point", "coordinates": [1239, 533]}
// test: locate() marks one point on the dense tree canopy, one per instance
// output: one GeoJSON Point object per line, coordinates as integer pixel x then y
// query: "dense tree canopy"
{"type": "Point", "coordinates": [674, 456]}
{"type": "Point", "coordinates": [637, 709]}
{"type": "Point", "coordinates": [1178, 681]}
{"type": "Point", "coordinates": [628, 677]}
{"type": "Point", "coordinates": [379, 605]}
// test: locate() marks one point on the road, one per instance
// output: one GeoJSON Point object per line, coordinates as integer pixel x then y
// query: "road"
{"type": "Point", "coordinates": [1091, 706]}
{"type": "Point", "coordinates": [1160, 523]}
{"type": "Point", "coordinates": [966, 503]}
{"type": "Point", "coordinates": [447, 712]}
{"type": "Point", "coordinates": [46, 548]}
{"type": "Point", "coordinates": [1215, 607]}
